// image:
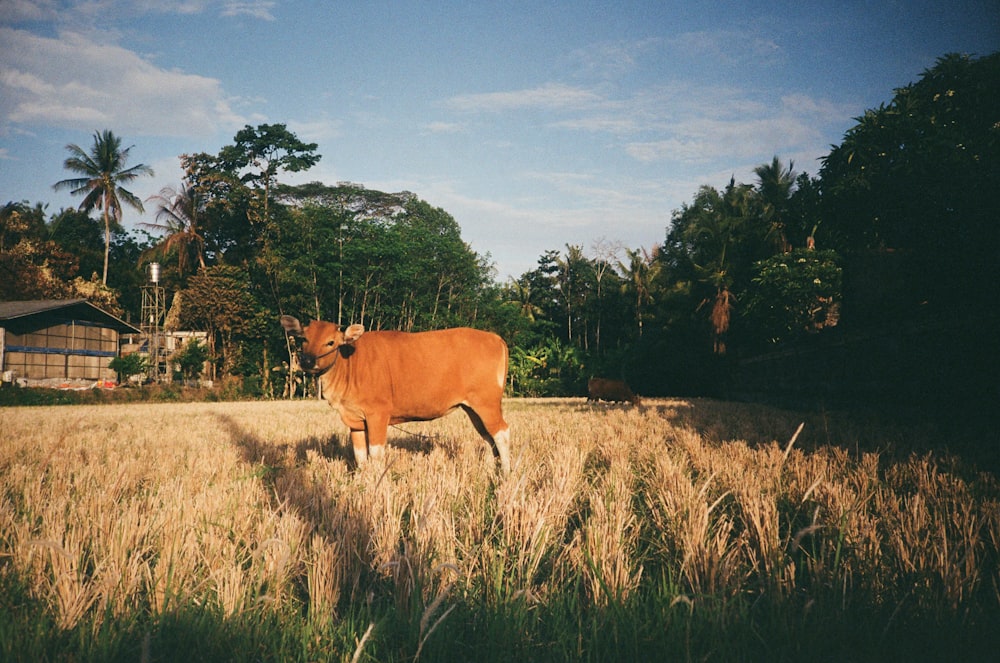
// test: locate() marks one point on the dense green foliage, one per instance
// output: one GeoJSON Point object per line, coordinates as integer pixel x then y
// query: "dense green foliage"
{"type": "Point", "coordinates": [899, 229]}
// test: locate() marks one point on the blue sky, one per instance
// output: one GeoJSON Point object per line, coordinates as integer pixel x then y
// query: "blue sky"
{"type": "Point", "coordinates": [535, 125]}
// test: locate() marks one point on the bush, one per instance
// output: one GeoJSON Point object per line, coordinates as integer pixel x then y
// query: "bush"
{"type": "Point", "coordinates": [128, 365]}
{"type": "Point", "coordinates": [793, 294]}
{"type": "Point", "coordinates": [190, 359]}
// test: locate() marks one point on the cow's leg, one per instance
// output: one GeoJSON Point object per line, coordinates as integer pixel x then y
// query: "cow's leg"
{"type": "Point", "coordinates": [501, 443]}
{"type": "Point", "coordinates": [490, 424]}
{"type": "Point", "coordinates": [378, 430]}
{"type": "Point", "coordinates": [359, 440]}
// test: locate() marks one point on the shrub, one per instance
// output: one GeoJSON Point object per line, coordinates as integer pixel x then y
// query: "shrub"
{"type": "Point", "coordinates": [128, 365]}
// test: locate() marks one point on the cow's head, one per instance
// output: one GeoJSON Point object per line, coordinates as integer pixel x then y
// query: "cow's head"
{"type": "Point", "coordinates": [322, 342]}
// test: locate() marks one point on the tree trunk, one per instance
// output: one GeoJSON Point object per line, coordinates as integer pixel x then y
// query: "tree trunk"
{"type": "Point", "coordinates": [107, 238]}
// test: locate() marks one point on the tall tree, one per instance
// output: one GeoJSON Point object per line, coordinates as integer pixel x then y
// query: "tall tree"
{"type": "Point", "coordinates": [604, 253]}
{"type": "Point", "coordinates": [917, 179]}
{"type": "Point", "coordinates": [256, 157]}
{"type": "Point", "coordinates": [219, 301]}
{"type": "Point", "coordinates": [639, 273]}
{"type": "Point", "coordinates": [713, 243]}
{"type": "Point", "coordinates": [103, 173]}
{"type": "Point", "coordinates": [260, 153]}
{"type": "Point", "coordinates": [573, 269]}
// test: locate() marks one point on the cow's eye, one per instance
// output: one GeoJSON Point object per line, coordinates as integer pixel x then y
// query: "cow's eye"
{"type": "Point", "coordinates": [329, 344]}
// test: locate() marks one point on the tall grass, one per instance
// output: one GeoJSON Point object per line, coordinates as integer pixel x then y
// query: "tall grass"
{"type": "Point", "coordinates": [681, 530]}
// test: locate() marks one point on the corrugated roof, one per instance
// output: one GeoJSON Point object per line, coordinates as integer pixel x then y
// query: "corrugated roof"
{"type": "Point", "coordinates": [25, 316]}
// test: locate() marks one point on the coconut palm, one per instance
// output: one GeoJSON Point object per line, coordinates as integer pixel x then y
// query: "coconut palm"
{"type": "Point", "coordinates": [638, 273]}
{"type": "Point", "coordinates": [522, 295]}
{"type": "Point", "coordinates": [103, 173]}
{"type": "Point", "coordinates": [774, 186]}
{"type": "Point", "coordinates": [719, 231]}
{"type": "Point", "coordinates": [177, 218]}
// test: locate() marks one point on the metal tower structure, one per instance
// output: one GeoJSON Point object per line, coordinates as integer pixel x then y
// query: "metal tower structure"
{"type": "Point", "coordinates": [154, 310]}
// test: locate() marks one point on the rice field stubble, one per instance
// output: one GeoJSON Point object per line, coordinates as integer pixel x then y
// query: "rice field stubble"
{"type": "Point", "coordinates": [682, 530]}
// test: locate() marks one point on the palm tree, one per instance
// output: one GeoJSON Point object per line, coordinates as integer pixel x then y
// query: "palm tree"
{"type": "Point", "coordinates": [571, 287]}
{"type": "Point", "coordinates": [774, 185]}
{"type": "Point", "coordinates": [103, 174]}
{"type": "Point", "coordinates": [639, 272]}
{"type": "Point", "coordinates": [177, 218]}
{"type": "Point", "coordinates": [522, 295]}
{"type": "Point", "coordinates": [718, 227]}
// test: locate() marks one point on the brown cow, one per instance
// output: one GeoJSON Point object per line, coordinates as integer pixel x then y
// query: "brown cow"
{"type": "Point", "coordinates": [380, 378]}
{"type": "Point", "coordinates": [602, 389]}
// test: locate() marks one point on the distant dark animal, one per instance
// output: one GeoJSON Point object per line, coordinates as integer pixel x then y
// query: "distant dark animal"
{"type": "Point", "coordinates": [602, 389]}
{"type": "Point", "coordinates": [379, 378]}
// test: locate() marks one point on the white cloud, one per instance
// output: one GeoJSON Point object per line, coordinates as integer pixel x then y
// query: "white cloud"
{"type": "Point", "coordinates": [74, 81]}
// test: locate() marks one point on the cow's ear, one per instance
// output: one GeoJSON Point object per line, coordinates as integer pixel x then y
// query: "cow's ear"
{"type": "Point", "coordinates": [353, 333]}
{"type": "Point", "coordinates": [291, 325]}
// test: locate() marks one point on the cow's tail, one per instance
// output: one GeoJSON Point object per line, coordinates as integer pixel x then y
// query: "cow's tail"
{"type": "Point", "coordinates": [504, 363]}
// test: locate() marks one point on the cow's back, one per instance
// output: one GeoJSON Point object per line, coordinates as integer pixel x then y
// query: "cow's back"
{"type": "Point", "coordinates": [424, 374]}
{"type": "Point", "coordinates": [605, 389]}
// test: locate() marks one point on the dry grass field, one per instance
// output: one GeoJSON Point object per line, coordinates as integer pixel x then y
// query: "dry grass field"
{"type": "Point", "coordinates": [682, 530]}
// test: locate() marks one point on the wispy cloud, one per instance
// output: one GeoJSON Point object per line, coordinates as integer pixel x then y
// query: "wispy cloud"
{"type": "Point", "coordinates": [609, 60]}
{"type": "Point", "coordinates": [727, 47]}
{"type": "Point", "coordinates": [549, 96]}
{"type": "Point", "coordinates": [679, 121]}
{"type": "Point", "coordinates": [319, 131]}
{"type": "Point", "coordinates": [14, 11]}
{"type": "Point", "coordinates": [444, 128]}
{"type": "Point", "coordinates": [76, 82]}
{"type": "Point", "coordinates": [255, 9]}
{"type": "Point", "coordinates": [71, 14]}
{"type": "Point", "coordinates": [600, 124]}
{"type": "Point", "coordinates": [706, 140]}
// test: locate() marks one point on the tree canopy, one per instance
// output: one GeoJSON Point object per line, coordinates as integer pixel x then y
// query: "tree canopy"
{"type": "Point", "coordinates": [899, 226]}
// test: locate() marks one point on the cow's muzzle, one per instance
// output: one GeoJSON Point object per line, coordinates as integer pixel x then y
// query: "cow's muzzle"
{"type": "Point", "coordinates": [308, 362]}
